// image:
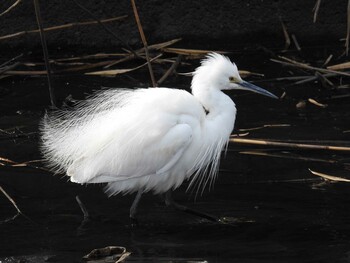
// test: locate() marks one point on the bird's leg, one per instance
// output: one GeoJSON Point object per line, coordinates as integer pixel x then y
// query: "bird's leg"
{"type": "Point", "coordinates": [133, 208]}
{"type": "Point", "coordinates": [169, 201]}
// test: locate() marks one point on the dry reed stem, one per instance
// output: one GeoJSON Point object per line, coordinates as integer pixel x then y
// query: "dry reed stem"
{"type": "Point", "coordinates": [114, 72]}
{"type": "Point", "coordinates": [45, 52]}
{"type": "Point", "coordinates": [293, 63]}
{"type": "Point", "coordinates": [10, 199]}
{"type": "Point", "coordinates": [286, 35]}
{"type": "Point", "coordinates": [92, 56]}
{"type": "Point", "coordinates": [126, 58]}
{"type": "Point", "coordinates": [74, 69]}
{"type": "Point", "coordinates": [124, 55]}
{"type": "Point", "coordinates": [164, 44]}
{"type": "Point", "coordinates": [83, 208]}
{"type": "Point", "coordinates": [11, 60]}
{"type": "Point", "coordinates": [316, 9]}
{"type": "Point", "coordinates": [2, 159]}
{"type": "Point", "coordinates": [296, 43]}
{"type": "Point", "coordinates": [346, 86]}
{"type": "Point", "coordinates": [104, 27]}
{"type": "Point", "coordinates": [11, 7]}
{"type": "Point", "coordinates": [26, 72]}
{"type": "Point", "coordinates": [144, 41]}
{"type": "Point", "coordinates": [347, 30]}
{"type": "Point", "coordinates": [19, 212]}
{"type": "Point", "coordinates": [59, 27]}
{"type": "Point", "coordinates": [170, 71]}
{"type": "Point", "coordinates": [324, 80]}
{"type": "Point", "coordinates": [265, 126]}
{"type": "Point", "coordinates": [190, 53]}
{"type": "Point", "coordinates": [340, 96]}
{"type": "Point", "coordinates": [288, 78]}
{"type": "Point", "coordinates": [239, 135]}
{"type": "Point", "coordinates": [5, 161]}
{"type": "Point", "coordinates": [5, 69]}
{"type": "Point", "coordinates": [158, 46]}
{"type": "Point", "coordinates": [341, 66]}
{"type": "Point", "coordinates": [302, 180]}
{"type": "Point", "coordinates": [285, 156]}
{"type": "Point", "coordinates": [312, 78]}
{"type": "Point", "coordinates": [313, 101]}
{"type": "Point", "coordinates": [330, 177]}
{"type": "Point", "coordinates": [327, 61]}
{"type": "Point", "coordinates": [246, 73]}
{"type": "Point", "coordinates": [290, 145]}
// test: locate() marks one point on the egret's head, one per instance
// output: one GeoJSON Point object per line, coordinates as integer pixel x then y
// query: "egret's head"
{"type": "Point", "coordinates": [218, 72]}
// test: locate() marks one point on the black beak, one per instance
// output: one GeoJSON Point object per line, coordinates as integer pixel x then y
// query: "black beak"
{"type": "Point", "coordinates": [244, 85]}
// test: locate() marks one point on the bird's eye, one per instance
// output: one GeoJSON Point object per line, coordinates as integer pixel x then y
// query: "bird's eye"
{"type": "Point", "coordinates": [232, 79]}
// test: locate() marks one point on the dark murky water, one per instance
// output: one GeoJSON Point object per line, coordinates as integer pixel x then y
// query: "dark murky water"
{"type": "Point", "coordinates": [278, 211]}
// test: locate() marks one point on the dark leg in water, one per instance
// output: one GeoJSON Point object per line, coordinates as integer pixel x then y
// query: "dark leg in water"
{"type": "Point", "coordinates": [133, 208]}
{"type": "Point", "coordinates": [169, 201]}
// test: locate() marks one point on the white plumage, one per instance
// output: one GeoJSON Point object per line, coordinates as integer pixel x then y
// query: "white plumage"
{"type": "Point", "coordinates": [147, 139]}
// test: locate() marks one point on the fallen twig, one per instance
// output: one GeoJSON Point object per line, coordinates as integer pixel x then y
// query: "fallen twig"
{"type": "Point", "coordinates": [293, 63]}
{"type": "Point", "coordinates": [339, 96]}
{"type": "Point", "coordinates": [313, 101]}
{"type": "Point", "coordinates": [59, 27]}
{"type": "Point", "coordinates": [190, 53]}
{"type": "Point", "coordinates": [346, 86]}
{"type": "Point", "coordinates": [92, 56]}
{"type": "Point", "coordinates": [25, 72]}
{"type": "Point", "coordinates": [290, 145]}
{"type": "Point", "coordinates": [289, 156]}
{"type": "Point", "coordinates": [10, 199]}
{"type": "Point", "coordinates": [11, 60]}
{"type": "Point", "coordinates": [5, 69]}
{"type": "Point", "coordinates": [330, 177]}
{"type": "Point", "coordinates": [73, 69]}
{"type": "Point", "coordinates": [312, 78]}
{"type": "Point", "coordinates": [265, 126]}
{"type": "Point", "coordinates": [11, 7]}
{"type": "Point", "coordinates": [114, 72]}
{"type": "Point", "coordinates": [341, 66]}
{"type": "Point", "coordinates": [324, 81]}
{"type": "Point", "coordinates": [8, 162]}
{"type": "Point", "coordinates": [19, 212]}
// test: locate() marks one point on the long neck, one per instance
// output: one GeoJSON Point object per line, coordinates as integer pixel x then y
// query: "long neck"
{"type": "Point", "coordinates": [221, 109]}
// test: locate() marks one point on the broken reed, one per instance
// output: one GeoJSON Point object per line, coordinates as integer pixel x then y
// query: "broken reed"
{"type": "Point", "coordinates": [290, 145]}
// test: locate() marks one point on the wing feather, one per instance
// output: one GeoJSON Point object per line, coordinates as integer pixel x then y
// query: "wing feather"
{"type": "Point", "coordinates": [118, 135]}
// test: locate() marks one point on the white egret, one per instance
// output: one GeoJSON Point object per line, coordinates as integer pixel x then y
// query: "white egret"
{"type": "Point", "coordinates": [148, 139]}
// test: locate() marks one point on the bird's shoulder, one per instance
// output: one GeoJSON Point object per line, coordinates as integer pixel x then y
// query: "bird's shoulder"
{"type": "Point", "coordinates": [174, 101]}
